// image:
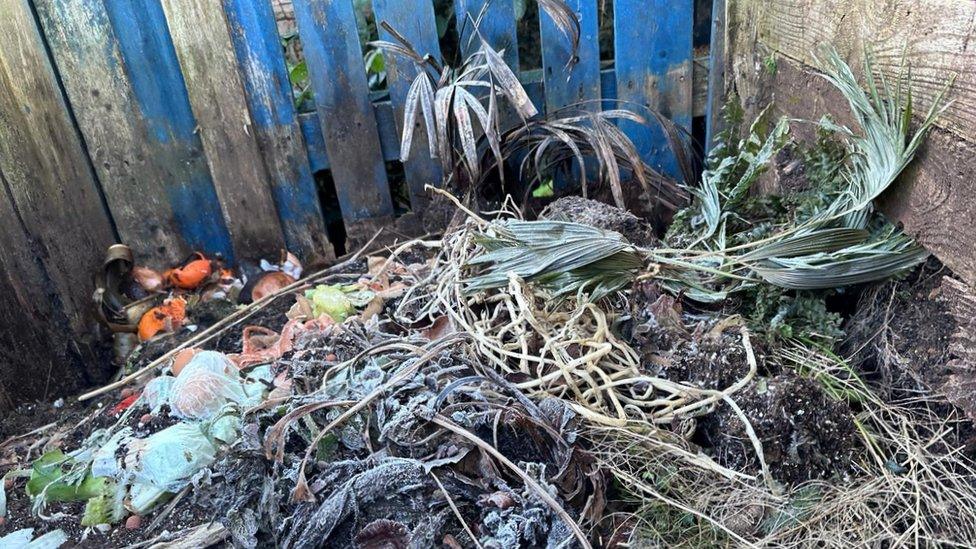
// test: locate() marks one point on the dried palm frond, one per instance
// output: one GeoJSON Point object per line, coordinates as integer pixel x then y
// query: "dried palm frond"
{"type": "Point", "coordinates": [566, 21]}
{"type": "Point", "coordinates": [831, 249]}
{"type": "Point", "coordinates": [569, 138]}
{"type": "Point", "coordinates": [452, 99]}
{"type": "Point", "coordinates": [888, 144]}
{"type": "Point", "coordinates": [567, 257]}
{"type": "Point", "coordinates": [466, 115]}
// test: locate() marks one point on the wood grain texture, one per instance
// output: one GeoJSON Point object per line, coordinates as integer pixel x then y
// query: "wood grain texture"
{"type": "Point", "coordinates": [415, 23]}
{"type": "Point", "coordinates": [653, 48]}
{"type": "Point", "coordinates": [717, 61]}
{"type": "Point", "coordinates": [203, 44]}
{"type": "Point", "coordinates": [269, 94]}
{"type": "Point", "coordinates": [581, 84]}
{"type": "Point", "coordinates": [338, 76]}
{"type": "Point", "coordinates": [44, 164]}
{"type": "Point", "coordinates": [935, 37]}
{"type": "Point", "coordinates": [161, 197]}
{"type": "Point", "coordinates": [35, 337]}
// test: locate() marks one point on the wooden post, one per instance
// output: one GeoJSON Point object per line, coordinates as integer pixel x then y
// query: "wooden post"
{"type": "Point", "coordinates": [563, 87]}
{"type": "Point", "coordinates": [338, 76]}
{"type": "Point", "coordinates": [269, 96]}
{"type": "Point", "coordinates": [716, 75]}
{"type": "Point", "coordinates": [653, 47]}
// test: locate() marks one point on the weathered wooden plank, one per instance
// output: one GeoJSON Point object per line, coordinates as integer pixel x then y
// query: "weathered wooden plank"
{"type": "Point", "coordinates": [161, 197]}
{"type": "Point", "coordinates": [338, 76]}
{"type": "Point", "coordinates": [562, 86]}
{"type": "Point", "coordinates": [415, 22]}
{"type": "Point", "coordinates": [160, 94]}
{"type": "Point", "coordinates": [202, 40]}
{"type": "Point", "coordinates": [38, 359]}
{"type": "Point", "coordinates": [269, 95]}
{"type": "Point", "coordinates": [653, 45]}
{"type": "Point", "coordinates": [390, 137]}
{"type": "Point", "coordinates": [50, 180]}
{"type": "Point", "coordinates": [936, 36]}
{"type": "Point", "coordinates": [716, 75]}
{"type": "Point", "coordinates": [497, 27]}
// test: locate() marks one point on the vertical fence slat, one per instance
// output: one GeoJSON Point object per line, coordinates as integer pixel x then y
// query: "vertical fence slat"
{"type": "Point", "coordinates": [269, 94]}
{"type": "Point", "coordinates": [653, 45]}
{"type": "Point", "coordinates": [140, 171]}
{"type": "Point", "coordinates": [203, 46]}
{"type": "Point", "coordinates": [39, 360]}
{"type": "Point", "coordinates": [47, 177]}
{"type": "Point", "coordinates": [415, 22]}
{"type": "Point", "coordinates": [564, 88]}
{"type": "Point", "coordinates": [162, 103]}
{"type": "Point", "coordinates": [497, 27]}
{"type": "Point", "coordinates": [330, 41]}
{"type": "Point", "coordinates": [716, 75]}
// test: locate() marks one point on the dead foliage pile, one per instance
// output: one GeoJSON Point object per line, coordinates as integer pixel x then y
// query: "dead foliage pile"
{"type": "Point", "coordinates": [572, 381]}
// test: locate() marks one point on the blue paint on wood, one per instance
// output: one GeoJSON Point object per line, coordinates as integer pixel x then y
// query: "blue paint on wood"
{"type": "Point", "coordinates": [190, 200]}
{"type": "Point", "coordinates": [653, 45]}
{"type": "Point", "coordinates": [338, 76]}
{"type": "Point", "coordinates": [259, 54]}
{"type": "Point", "coordinates": [152, 67]}
{"type": "Point", "coordinates": [582, 84]}
{"type": "Point", "coordinates": [257, 46]}
{"type": "Point", "coordinates": [318, 157]}
{"type": "Point", "coordinates": [497, 27]}
{"type": "Point", "coordinates": [157, 83]}
{"type": "Point", "coordinates": [416, 23]}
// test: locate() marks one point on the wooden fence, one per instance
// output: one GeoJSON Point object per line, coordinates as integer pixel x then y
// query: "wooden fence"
{"type": "Point", "coordinates": [171, 125]}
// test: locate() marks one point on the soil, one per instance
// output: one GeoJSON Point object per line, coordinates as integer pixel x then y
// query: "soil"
{"type": "Point", "coordinates": [67, 519]}
{"type": "Point", "coordinates": [603, 216]}
{"type": "Point", "coordinates": [913, 353]}
{"type": "Point", "coordinates": [787, 174]}
{"type": "Point", "coordinates": [805, 435]}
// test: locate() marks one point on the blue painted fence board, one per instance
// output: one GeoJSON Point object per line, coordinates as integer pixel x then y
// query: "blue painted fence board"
{"type": "Point", "coordinates": [582, 84]}
{"type": "Point", "coordinates": [653, 47]}
{"type": "Point", "coordinates": [497, 27]}
{"type": "Point", "coordinates": [416, 23]}
{"type": "Point", "coordinates": [205, 50]}
{"type": "Point", "coordinates": [269, 95]}
{"type": "Point", "coordinates": [390, 138]}
{"type": "Point", "coordinates": [337, 74]}
{"type": "Point", "coordinates": [121, 76]}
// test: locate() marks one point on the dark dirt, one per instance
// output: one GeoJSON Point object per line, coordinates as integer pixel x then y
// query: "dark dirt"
{"type": "Point", "coordinates": [603, 216]}
{"type": "Point", "coordinates": [19, 516]}
{"type": "Point", "coordinates": [913, 353]}
{"type": "Point", "coordinates": [805, 435]}
{"type": "Point", "coordinates": [786, 174]}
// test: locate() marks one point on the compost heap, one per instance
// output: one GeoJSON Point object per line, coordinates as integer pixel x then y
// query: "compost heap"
{"type": "Point", "coordinates": [555, 383]}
